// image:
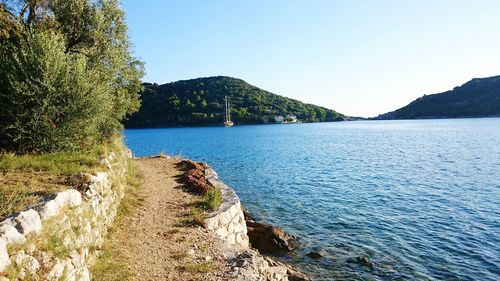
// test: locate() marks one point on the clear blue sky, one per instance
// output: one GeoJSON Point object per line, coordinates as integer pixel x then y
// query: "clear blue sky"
{"type": "Point", "coordinates": [359, 57]}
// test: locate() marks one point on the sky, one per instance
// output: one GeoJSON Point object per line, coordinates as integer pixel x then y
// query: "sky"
{"type": "Point", "coordinates": [358, 57]}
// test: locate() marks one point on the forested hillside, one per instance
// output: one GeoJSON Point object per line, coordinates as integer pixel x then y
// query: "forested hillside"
{"type": "Point", "coordinates": [479, 97]}
{"type": "Point", "coordinates": [201, 102]}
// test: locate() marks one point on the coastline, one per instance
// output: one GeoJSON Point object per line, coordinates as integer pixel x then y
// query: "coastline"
{"type": "Point", "coordinates": [229, 223]}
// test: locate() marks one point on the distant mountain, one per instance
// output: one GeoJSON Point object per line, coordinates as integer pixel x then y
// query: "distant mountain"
{"type": "Point", "coordinates": [201, 102]}
{"type": "Point", "coordinates": [480, 97]}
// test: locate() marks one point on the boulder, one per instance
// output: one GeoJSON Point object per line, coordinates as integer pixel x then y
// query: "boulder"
{"type": "Point", "coordinates": [10, 234]}
{"type": "Point", "coordinates": [4, 256]}
{"type": "Point", "coordinates": [73, 198]}
{"type": "Point", "coordinates": [269, 239]}
{"type": "Point", "coordinates": [48, 209]}
{"type": "Point", "coordinates": [314, 255]}
{"type": "Point", "coordinates": [364, 261]}
{"type": "Point", "coordinates": [28, 222]}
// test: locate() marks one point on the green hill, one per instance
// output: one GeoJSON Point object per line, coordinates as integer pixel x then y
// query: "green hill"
{"type": "Point", "coordinates": [479, 97]}
{"type": "Point", "coordinates": [201, 102]}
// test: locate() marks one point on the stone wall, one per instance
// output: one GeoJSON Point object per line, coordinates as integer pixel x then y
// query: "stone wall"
{"type": "Point", "coordinates": [60, 238]}
{"type": "Point", "coordinates": [228, 221]}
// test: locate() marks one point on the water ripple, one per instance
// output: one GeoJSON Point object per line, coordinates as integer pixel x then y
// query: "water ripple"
{"type": "Point", "coordinates": [420, 198]}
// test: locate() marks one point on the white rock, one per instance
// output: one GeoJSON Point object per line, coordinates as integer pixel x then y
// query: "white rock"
{"type": "Point", "coordinates": [48, 209]}
{"type": "Point", "coordinates": [190, 252]}
{"type": "Point", "coordinates": [225, 218]}
{"type": "Point", "coordinates": [10, 234]}
{"type": "Point", "coordinates": [4, 256]}
{"type": "Point", "coordinates": [231, 239]}
{"type": "Point", "coordinates": [230, 228]}
{"type": "Point", "coordinates": [105, 162]}
{"type": "Point", "coordinates": [56, 272]}
{"type": "Point", "coordinates": [82, 274]}
{"type": "Point", "coordinates": [74, 198]}
{"type": "Point", "coordinates": [239, 238]}
{"type": "Point", "coordinates": [61, 199]}
{"type": "Point", "coordinates": [238, 228]}
{"type": "Point", "coordinates": [212, 223]}
{"type": "Point", "coordinates": [29, 263]}
{"type": "Point", "coordinates": [221, 232]}
{"type": "Point", "coordinates": [28, 222]}
{"type": "Point", "coordinates": [234, 210]}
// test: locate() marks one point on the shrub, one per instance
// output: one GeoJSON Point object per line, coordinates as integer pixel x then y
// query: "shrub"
{"type": "Point", "coordinates": [67, 77]}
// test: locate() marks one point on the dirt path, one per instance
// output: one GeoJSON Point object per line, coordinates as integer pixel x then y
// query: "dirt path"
{"type": "Point", "coordinates": [156, 244]}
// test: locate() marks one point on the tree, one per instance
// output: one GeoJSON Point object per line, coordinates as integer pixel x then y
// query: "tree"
{"type": "Point", "coordinates": [67, 77]}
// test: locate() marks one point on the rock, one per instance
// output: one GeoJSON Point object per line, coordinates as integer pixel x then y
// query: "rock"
{"type": "Point", "coordinates": [105, 162]}
{"type": "Point", "coordinates": [48, 209]}
{"type": "Point", "coordinates": [4, 256]}
{"type": "Point", "coordinates": [208, 258]}
{"type": "Point", "coordinates": [250, 265]}
{"type": "Point", "coordinates": [74, 198]}
{"type": "Point", "coordinates": [363, 260]}
{"type": "Point", "coordinates": [190, 252]}
{"type": "Point", "coordinates": [10, 234]}
{"type": "Point", "coordinates": [28, 222]}
{"type": "Point", "coordinates": [295, 275]}
{"type": "Point", "coordinates": [315, 255]}
{"type": "Point", "coordinates": [268, 239]}
{"type": "Point", "coordinates": [27, 262]}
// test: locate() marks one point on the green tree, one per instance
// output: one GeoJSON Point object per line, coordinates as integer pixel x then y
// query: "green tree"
{"type": "Point", "coordinates": [67, 77]}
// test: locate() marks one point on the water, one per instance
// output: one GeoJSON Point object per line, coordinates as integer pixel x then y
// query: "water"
{"type": "Point", "coordinates": [420, 198]}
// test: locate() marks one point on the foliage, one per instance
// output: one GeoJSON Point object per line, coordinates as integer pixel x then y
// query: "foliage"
{"type": "Point", "coordinates": [201, 102]}
{"type": "Point", "coordinates": [67, 77]}
{"type": "Point", "coordinates": [476, 98]}
{"type": "Point", "coordinates": [212, 199]}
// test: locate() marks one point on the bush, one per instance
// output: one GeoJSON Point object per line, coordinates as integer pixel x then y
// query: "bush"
{"type": "Point", "coordinates": [66, 74]}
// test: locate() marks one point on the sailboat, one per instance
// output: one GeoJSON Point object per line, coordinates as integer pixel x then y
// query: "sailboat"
{"type": "Point", "coordinates": [227, 117]}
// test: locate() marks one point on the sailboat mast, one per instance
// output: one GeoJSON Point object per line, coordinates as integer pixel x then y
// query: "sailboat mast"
{"type": "Point", "coordinates": [228, 111]}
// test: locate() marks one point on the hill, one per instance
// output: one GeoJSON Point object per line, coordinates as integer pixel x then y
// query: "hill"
{"type": "Point", "coordinates": [200, 101]}
{"type": "Point", "coordinates": [480, 97]}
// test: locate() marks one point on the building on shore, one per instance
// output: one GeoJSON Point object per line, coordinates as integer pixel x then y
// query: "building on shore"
{"type": "Point", "coordinates": [288, 119]}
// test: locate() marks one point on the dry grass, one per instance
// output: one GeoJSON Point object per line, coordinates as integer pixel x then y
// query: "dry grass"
{"type": "Point", "coordinates": [19, 190]}
{"type": "Point", "coordinates": [27, 179]}
{"type": "Point", "coordinates": [202, 267]}
{"type": "Point", "coordinates": [112, 263]}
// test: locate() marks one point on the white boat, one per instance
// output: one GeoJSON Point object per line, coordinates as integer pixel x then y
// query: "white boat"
{"type": "Point", "coordinates": [227, 117]}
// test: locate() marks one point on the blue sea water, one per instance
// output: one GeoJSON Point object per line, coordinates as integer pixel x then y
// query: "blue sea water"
{"type": "Point", "coordinates": [420, 199]}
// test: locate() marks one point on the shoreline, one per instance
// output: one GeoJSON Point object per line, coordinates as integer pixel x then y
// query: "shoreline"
{"type": "Point", "coordinates": [246, 241]}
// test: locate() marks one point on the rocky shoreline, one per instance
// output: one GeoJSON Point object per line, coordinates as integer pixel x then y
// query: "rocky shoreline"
{"type": "Point", "coordinates": [247, 240]}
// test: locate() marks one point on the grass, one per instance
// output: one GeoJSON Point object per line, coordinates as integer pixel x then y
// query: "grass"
{"type": "Point", "coordinates": [203, 267]}
{"type": "Point", "coordinates": [20, 190]}
{"type": "Point", "coordinates": [59, 163]}
{"type": "Point", "coordinates": [26, 179]}
{"type": "Point", "coordinates": [197, 215]}
{"type": "Point", "coordinates": [180, 255]}
{"type": "Point", "coordinates": [112, 263]}
{"type": "Point", "coordinates": [212, 199]}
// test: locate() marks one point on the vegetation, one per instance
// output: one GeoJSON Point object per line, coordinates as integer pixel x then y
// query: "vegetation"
{"type": "Point", "coordinates": [197, 267]}
{"type": "Point", "coordinates": [476, 98]}
{"type": "Point", "coordinates": [27, 179]}
{"type": "Point", "coordinates": [112, 262]}
{"type": "Point", "coordinates": [201, 102]}
{"type": "Point", "coordinates": [67, 77]}
{"type": "Point", "coordinates": [212, 199]}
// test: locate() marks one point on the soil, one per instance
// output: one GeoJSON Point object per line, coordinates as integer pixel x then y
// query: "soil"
{"type": "Point", "coordinates": [157, 245]}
